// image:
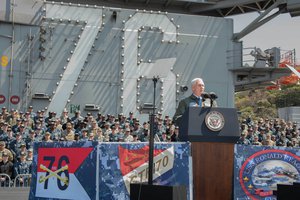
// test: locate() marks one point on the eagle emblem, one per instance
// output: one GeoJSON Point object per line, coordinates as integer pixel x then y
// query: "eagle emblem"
{"type": "Point", "coordinates": [214, 121]}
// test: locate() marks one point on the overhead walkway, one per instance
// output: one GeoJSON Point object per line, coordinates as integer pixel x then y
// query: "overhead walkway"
{"type": "Point", "coordinates": [217, 8]}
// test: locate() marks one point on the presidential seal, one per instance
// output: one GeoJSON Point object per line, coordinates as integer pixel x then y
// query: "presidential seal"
{"type": "Point", "coordinates": [214, 121]}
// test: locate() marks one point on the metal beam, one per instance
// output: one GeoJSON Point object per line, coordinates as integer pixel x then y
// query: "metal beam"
{"type": "Point", "coordinates": [259, 21]}
{"type": "Point", "coordinates": [6, 36]}
{"type": "Point", "coordinates": [257, 77]}
{"type": "Point", "coordinates": [221, 4]}
{"type": "Point", "coordinates": [168, 3]}
{"type": "Point", "coordinates": [197, 1]}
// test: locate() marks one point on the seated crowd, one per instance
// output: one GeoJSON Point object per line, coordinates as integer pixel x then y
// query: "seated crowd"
{"type": "Point", "coordinates": [269, 132]}
{"type": "Point", "coordinates": [19, 130]}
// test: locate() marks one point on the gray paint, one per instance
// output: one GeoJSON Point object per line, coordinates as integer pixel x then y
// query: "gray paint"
{"type": "Point", "coordinates": [290, 114]}
{"type": "Point", "coordinates": [103, 68]}
{"type": "Point", "coordinates": [21, 11]}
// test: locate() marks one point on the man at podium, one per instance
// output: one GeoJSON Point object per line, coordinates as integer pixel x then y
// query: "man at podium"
{"type": "Point", "coordinates": [198, 99]}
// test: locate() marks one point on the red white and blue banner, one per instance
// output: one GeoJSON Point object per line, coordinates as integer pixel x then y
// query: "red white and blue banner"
{"type": "Point", "coordinates": [64, 170]}
{"type": "Point", "coordinates": [88, 170]}
{"type": "Point", "coordinates": [258, 170]}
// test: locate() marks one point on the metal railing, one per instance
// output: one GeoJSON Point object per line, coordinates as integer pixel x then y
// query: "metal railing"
{"type": "Point", "coordinates": [5, 180]}
{"type": "Point", "coordinates": [22, 180]}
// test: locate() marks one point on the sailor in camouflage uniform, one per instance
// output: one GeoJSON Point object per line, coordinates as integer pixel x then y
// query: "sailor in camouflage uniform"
{"type": "Point", "coordinates": [22, 167]}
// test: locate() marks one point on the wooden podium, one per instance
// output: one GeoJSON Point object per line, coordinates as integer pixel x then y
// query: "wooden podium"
{"type": "Point", "coordinates": [213, 133]}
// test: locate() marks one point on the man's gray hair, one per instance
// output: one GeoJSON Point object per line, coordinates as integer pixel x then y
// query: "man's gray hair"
{"type": "Point", "coordinates": [195, 80]}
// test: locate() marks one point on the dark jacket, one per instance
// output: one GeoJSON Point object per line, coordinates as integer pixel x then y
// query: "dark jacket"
{"type": "Point", "coordinates": [190, 101]}
{"type": "Point", "coordinates": [6, 168]}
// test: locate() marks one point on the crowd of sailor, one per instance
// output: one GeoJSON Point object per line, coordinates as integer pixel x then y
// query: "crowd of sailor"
{"type": "Point", "coordinates": [269, 132]}
{"type": "Point", "coordinates": [20, 130]}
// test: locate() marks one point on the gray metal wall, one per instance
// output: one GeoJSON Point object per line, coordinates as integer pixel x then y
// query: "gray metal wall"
{"type": "Point", "coordinates": [108, 56]}
{"type": "Point", "coordinates": [290, 114]}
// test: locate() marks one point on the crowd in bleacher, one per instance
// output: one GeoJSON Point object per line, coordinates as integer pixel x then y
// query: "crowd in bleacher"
{"type": "Point", "coordinates": [19, 130]}
{"type": "Point", "coordinates": [270, 132]}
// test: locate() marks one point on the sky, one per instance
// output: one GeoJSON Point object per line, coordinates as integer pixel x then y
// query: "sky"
{"type": "Point", "coordinates": [283, 31]}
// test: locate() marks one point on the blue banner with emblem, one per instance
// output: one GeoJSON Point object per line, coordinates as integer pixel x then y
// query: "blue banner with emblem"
{"type": "Point", "coordinates": [258, 170]}
{"type": "Point", "coordinates": [88, 170]}
{"type": "Point", "coordinates": [126, 163]}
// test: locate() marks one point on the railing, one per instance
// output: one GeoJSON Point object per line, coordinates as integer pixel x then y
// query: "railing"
{"type": "Point", "coordinates": [5, 180]}
{"type": "Point", "coordinates": [22, 180]}
{"type": "Point", "coordinates": [253, 57]}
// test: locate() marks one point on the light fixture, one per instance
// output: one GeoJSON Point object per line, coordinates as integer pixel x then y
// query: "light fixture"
{"type": "Point", "coordinates": [184, 88]}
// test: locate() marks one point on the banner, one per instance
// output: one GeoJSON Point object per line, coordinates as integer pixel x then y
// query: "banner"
{"type": "Point", "coordinates": [128, 163]}
{"type": "Point", "coordinates": [64, 170]}
{"type": "Point", "coordinates": [88, 170]}
{"type": "Point", "coordinates": [258, 170]}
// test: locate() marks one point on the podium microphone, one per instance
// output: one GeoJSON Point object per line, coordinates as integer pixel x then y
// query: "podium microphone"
{"type": "Point", "coordinates": [213, 97]}
{"type": "Point", "coordinates": [205, 95]}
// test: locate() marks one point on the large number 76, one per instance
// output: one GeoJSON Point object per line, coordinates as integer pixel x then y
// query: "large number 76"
{"type": "Point", "coordinates": [62, 173]}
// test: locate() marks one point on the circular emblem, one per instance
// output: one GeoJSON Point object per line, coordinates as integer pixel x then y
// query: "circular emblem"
{"type": "Point", "coordinates": [262, 171]}
{"type": "Point", "coordinates": [14, 99]}
{"type": "Point", "coordinates": [2, 98]}
{"type": "Point", "coordinates": [214, 121]}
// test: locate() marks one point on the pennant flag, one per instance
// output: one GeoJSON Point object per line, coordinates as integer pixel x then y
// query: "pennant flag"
{"type": "Point", "coordinates": [134, 164]}
{"type": "Point", "coordinates": [56, 169]}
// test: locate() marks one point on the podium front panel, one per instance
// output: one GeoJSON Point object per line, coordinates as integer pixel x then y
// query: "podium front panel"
{"type": "Point", "coordinates": [193, 127]}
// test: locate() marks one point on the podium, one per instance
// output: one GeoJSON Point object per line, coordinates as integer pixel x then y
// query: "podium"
{"type": "Point", "coordinates": [213, 133]}
{"type": "Point", "coordinates": [157, 192]}
{"type": "Point", "coordinates": [288, 192]}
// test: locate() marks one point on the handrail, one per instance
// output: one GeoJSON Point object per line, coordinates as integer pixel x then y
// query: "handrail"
{"type": "Point", "coordinates": [22, 180]}
{"type": "Point", "coordinates": [7, 180]}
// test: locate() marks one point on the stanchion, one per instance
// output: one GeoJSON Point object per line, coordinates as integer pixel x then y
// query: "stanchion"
{"type": "Point", "coordinates": [150, 191]}
{"type": "Point", "coordinates": [151, 139]}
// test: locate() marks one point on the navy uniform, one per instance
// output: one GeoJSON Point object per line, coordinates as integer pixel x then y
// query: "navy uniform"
{"type": "Point", "coordinates": [56, 135]}
{"type": "Point", "coordinates": [3, 136]}
{"type": "Point", "coordinates": [10, 140]}
{"type": "Point", "coordinates": [175, 135]}
{"type": "Point", "coordinates": [21, 150]}
{"type": "Point", "coordinates": [145, 136]}
{"type": "Point", "coordinates": [113, 137]}
{"type": "Point", "coordinates": [16, 144]}
{"type": "Point", "coordinates": [30, 140]}
{"type": "Point", "coordinates": [243, 140]}
{"type": "Point", "coordinates": [22, 167]}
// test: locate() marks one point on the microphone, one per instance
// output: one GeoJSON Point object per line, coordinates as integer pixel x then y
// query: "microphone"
{"type": "Point", "coordinates": [205, 95]}
{"type": "Point", "coordinates": [213, 95]}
